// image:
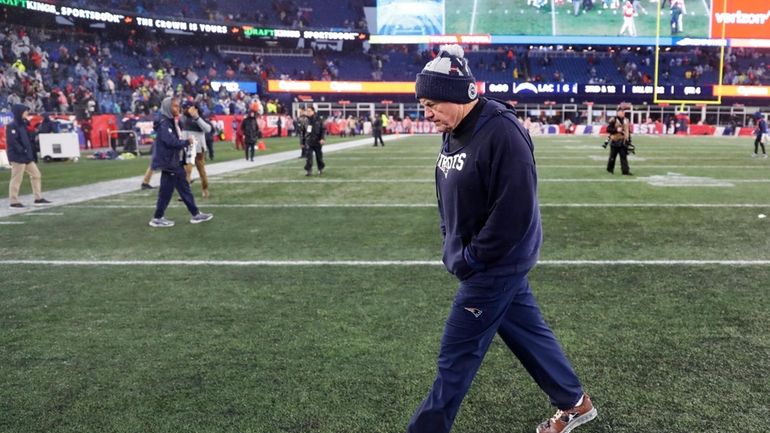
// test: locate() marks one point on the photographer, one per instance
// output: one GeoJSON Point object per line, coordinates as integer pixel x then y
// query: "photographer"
{"type": "Point", "coordinates": [619, 130]}
{"type": "Point", "coordinates": [193, 122]}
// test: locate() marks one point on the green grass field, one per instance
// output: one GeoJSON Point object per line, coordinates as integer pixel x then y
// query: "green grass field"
{"type": "Point", "coordinates": [183, 330]}
{"type": "Point", "coordinates": [514, 17]}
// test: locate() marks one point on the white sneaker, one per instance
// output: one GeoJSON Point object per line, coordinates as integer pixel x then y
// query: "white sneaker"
{"type": "Point", "coordinates": [161, 222]}
{"type": "Point", "coordinates": [764, 156]}
{"type": "Point", "coordinates": [201, 217]}
{"type": "Point", "coordinates": [753, 155]}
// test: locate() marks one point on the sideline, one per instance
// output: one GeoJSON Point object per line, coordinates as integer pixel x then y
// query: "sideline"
{"type": "Point", "coordinates": [79, 194]}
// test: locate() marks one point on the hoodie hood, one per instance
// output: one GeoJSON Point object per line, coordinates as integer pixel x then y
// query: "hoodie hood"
{"type": "Point", "coordinates": [18, 110]}
{"type": "Point", "coordinates": [165, 108]}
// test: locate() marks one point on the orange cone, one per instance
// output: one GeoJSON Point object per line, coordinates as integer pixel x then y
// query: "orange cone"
{"type": "Point", "coordinates": [261, 145]}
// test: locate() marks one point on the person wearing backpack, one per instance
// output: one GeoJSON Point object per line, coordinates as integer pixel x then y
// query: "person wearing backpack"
{"type": "Point", "coordinates": [486, 186]}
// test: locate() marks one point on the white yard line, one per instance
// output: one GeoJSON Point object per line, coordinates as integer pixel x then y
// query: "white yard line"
{"type": "Point", "coordinates": [433, 205]}
{"type": "Point", "coordinates": [383, 263]}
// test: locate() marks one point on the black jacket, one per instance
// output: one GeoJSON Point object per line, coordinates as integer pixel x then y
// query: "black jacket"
{"type": "Point", "coordinates": [250, 129]}
{"type": "Point", "coordinates": [18, 139]}
{"type": "Point", "coordinates": [314, 131]}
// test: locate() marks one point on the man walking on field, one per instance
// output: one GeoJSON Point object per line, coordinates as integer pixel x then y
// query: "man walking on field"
{"type": "Point", "coordinates": [486, 186]}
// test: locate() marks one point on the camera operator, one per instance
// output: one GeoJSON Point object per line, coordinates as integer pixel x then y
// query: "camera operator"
{"type": "Point", "coordinates": [619, 130]}
{"type": "Point", "coordinates": [195, 123]}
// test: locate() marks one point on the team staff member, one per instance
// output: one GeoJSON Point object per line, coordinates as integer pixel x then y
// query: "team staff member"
{"type": "Point", "coordinates": [314, 140]}
{"type": "Point", "coordinates": [620, 136]}
{"type": "Point", "coordinates": [168, 155]}
{"type": "Point", "coordinates": [194, 122]}
{"type": "Point", "coordinates": [250, 130]}
{"type": "Point", "coordinates": [761, 132]}
{"type": "Point", "coordinates": [486, 185]}
{"type": "Point", "coordinates": [21, 155]}
{"type": "Point", "coordinates": [299, 127]}
{"type": "Point", "coordinates": [377, 130]}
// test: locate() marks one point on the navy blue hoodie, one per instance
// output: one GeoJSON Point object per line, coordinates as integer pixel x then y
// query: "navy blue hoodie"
{"type": "Point", "coordinates": [487, 196]}
{"type": "Point", "coordinates": [17, 137]}
{"type": "Point", "coordinates": [168, 150]}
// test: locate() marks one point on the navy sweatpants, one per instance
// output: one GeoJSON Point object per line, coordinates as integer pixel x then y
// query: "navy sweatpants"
{"type": "Point", "coordinates": [484, 306]}
{"type": "Point", "coordinates": [169, 181]}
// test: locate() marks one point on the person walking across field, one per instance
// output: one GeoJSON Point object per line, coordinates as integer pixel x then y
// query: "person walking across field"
{"type": "Point", "coordinates": [486, 186]}
{"type": "Point", "coordinates": [169, 155]}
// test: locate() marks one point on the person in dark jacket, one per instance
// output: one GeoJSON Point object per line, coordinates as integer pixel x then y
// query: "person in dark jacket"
{"type": "Point", "coordinates": [377, 130]}
{"type": "Point", "coordinates": [486, 185]}
{"type": "Point", "coordinates": [761, 134]}
{"type": "Point", "coordinates": [619, 130]}
{"type": "Point", "coordinates": [314, 140]}
{"type": "Point", "coordinates": [21, 155]}
{"type": "Point", "coordinates": [250, 130]}
{"type": "Point", "coordinates": [168, 156]}
{"type": "Point", "coordinates": [193, 122]}
{"type": "Point", "coordinates": [300, 125]}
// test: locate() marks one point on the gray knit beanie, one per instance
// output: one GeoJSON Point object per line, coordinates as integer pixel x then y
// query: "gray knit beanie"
{"type": "Point", "coordinates": [447, 77]}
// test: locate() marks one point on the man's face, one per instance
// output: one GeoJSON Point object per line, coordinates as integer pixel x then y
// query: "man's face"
{"type": "Point", "coordinates": [445, 115]}
{"type": "Point", "coordinates": [26, 115]}
{"type": "Point", "coordinates": [309, 112]}
{"type": "Point", "coordinates": [175, 108]}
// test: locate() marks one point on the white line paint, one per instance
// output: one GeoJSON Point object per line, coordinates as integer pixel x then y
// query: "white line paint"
{"type": "Point", "coordinates": [10, 223]}
{"type": "Point", "coordinates": [382, 263]}
{"type": "Point", "coordinates": [44, 214]}
{"type": "Point", "coordinates": [652, 180]}
{"type": "Point", "coordinates": [318, 181]}
{"type": "Point", "coordinates": [433, 205]}
{"type": "Point", "coordinates": [273, 206]}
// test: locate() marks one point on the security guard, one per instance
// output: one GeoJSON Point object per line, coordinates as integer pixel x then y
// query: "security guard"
{"type": "Point", "coordinates": [619, 130]}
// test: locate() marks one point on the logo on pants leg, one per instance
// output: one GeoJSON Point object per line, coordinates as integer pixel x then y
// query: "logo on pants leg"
{"type": "Point", "coordinates": [473, 310]}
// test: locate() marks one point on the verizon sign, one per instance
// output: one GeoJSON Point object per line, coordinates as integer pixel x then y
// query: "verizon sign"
{"type": "Point", "coordinates": [742, 19]}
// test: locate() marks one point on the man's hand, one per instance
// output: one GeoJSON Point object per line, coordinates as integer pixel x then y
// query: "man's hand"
{"type": "Point", "coordinates": [322, 142]}
{"type": "Point", "coordinates": [194, 112]}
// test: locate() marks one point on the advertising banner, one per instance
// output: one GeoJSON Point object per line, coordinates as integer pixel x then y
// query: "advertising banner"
{"type": "Point", "coordinates": [743, 19]}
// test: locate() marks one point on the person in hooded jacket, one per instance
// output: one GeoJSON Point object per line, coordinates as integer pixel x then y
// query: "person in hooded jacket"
{"type": "Point", "coordinates": [21, 155]}
{"type": "Point", "coordinates": [486, 186]}
{"type": "Point", "coordinates": [168, 156]}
